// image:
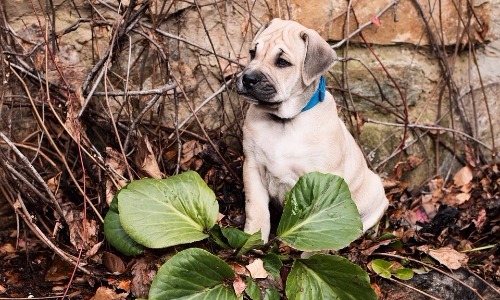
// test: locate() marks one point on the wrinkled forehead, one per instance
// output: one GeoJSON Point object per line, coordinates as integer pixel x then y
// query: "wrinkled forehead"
{"type": "Point", "coordinates": [280, 33]}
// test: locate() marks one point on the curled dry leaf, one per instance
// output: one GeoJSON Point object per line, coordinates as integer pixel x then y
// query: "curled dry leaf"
{"type": "Point", "coordinates": [116, 163]}
{"type": "Point", "coordinates": [446, 256]}
{"type": "Point", "coordinates": [256, 269]}
{"type": "Point", "coordinates": [463, 176]}
{"type": "Point", "coordinates": [145, 159]}
{"type": "Point", "coordinates": [104, 293]}
{"type": "Point", "coordinates": [79, 236]}
{"type": "Point", "coordinates": [481, 220]}
{"type": "Point", "coordinates": [238, 269]}
{"type": "Point", "coordinates": [143, 273]}
{"type": "Point", "coordinates": [429, 205]}
{"type": "Point", "coordinates": [239, 286]}
{"type": "Point", "coordinates": [113, 263]}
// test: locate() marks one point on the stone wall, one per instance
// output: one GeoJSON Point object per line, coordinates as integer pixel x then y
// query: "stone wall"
{"type": "Point", "coordinates": [422, 68]}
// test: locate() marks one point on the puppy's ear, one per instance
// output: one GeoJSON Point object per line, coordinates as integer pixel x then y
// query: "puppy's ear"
{"type": "Point", "coordinates": [319, 56]}
{"type": "Point", "coordinates": [262, 28]}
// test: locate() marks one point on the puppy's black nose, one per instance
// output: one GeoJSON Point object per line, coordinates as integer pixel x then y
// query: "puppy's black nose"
{"type": "Point", "coordinates": [251, 79]}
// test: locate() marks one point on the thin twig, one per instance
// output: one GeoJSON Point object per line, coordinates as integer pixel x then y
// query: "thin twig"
{"type": "Point", "coordinates": [432, 267]}
{"type": "Point", "coordinates": [413, 288]}
{"type": "Point", "coordinates": [360, 28]}
{"type": "Point", "coordinates": [431, 127]}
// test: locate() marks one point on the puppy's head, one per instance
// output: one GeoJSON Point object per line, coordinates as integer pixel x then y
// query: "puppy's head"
{"type": "Point", "coordinates": [287, 59]}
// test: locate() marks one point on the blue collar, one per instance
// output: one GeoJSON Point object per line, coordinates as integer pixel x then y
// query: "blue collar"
{"type": "Point", "coordinates": [318, 96]}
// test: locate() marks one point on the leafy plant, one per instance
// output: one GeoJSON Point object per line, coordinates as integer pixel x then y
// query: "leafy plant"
{"type": "Point", "coordinates": [318, 215]}
{"type": "Point", "coordinates": [387, 269]}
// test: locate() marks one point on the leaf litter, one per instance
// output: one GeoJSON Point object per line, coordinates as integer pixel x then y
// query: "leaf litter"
{"type": "Point", "coordinates": [434, 224]}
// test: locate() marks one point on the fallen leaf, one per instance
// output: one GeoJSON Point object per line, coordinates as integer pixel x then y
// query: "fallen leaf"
{"type": "Point", "coordinates": [238, 269]}
{"type": "Point", "coordinates": [116, 162]}
{"type": "Point", "coordinates": [145, 159]}
{"type": "Point", "coordinates": [7, 248]}
{"type": "Point", "coordinates": [239, 286]}
{"type": "Point", "coordinates": [446, 256]}
{"type": "Point", "coordinates": [435, 184]}
{"type": "Point", "coordinates": [429, 206]}
{"type": "Point", "coordinates": [93, 250]}
{"type": "Point", "coordinates": [463, 176]}
{"type": "Point", "coordinates": [412, 162]}
{"type": "Point", "coordinates": [113, 263]}
{"type": "Point", "coordinates": [462, 197]}
{"type": "Point", "coordinates": [2, 289]}
{"type": "Point", "coordinates": [143, 273]}
{"type": "Point", "coordinates": [481, 219]}
{"type": "Point", "coordinates": [189, 150]}
{"type": "Point", "coordinates": [256, 269]}
{"type": "Point", "coordinates": [104, 293]}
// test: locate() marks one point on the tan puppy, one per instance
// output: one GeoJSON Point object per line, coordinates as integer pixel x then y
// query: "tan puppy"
{"type": "Point", "coordinates": [282, 139]}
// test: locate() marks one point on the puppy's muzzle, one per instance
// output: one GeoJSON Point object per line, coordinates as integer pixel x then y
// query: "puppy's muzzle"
{"type": "Point", "coordinates": [256, 88]}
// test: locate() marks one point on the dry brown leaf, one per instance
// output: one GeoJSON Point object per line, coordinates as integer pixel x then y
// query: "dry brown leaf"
{"type": "Point", "coordinates": [256, 269]}
{"type": "Point", "coordinates": [239, 286]}
{"type": "Point", "coordinates": [429, 205]}
{"type": "Point", "coordinates": [189, 150]}
{"type": "Point", "coordinates": [446, 256]}
{"type": "Point", "coordinates": [2, 289]}
{"type": "Point", "coordinates": [481, 220]}
{"type": "Point", "coordinates": [462, 197]}
{"type": "Point", "coordinates": [143, 273]}
{"type": "Point", "coordinates": [146, 160]}
{"type": "Point", "coordinates": [436, 184]}
{"type": "Point", "coordinates": [116, 163]}
{"type": "Point", "coordinates": [7, 248]}
{"type": "Point", "coordinates": [93, 250]}
{"type": "Point", "coordinates": [104, 293]}
{"type": "Point", "coordinates": [113, 263]}
{"type": "Point", "coordinates": [463, 176]}
{"type": "Point", "coordinates": [79, 237]}
{"type": "Point", "coordinates": [238, 269]}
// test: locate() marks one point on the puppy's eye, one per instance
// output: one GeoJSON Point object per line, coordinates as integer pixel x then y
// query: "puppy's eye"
{"type": "Point", "coordinates": [282, 63]}
{"type": "Point", "coordinates": [252, 53]}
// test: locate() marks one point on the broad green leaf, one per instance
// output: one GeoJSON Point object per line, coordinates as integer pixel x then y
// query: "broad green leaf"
{"type": "Point", "coordinates": [272, 264]}
{"type": "Point", "coordinates": [328, 277]}
{"type": "Point", "coordinates": [159, 213]}
{"type": "Point", "coordinates": [252, 290]}
{"type": "Point", "coordinates": [404, 274]}
{"type": "Point", "coordinates": [217, 236]}
{"type": "Point", "coordinates": [254, 241]}
{"type": "Point", "coordinates": [396, 244]}
{"type": "Point", "coordinates": [319, 214]}
{"type": "Point", "coordinates": [235, 237]}
{"type": "Point", "coordinates": [382, 267]}
{"type": "Point", "coordinates": [117, 237]}
{"type": "Point", "coordinates": [271, 294]}
{"type": "Point", "coordinates": [193, 274]}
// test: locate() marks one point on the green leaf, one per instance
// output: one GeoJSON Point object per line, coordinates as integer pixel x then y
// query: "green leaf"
{"type": "Point", "coordinates": [254, 241]}
{"type": "Point", "coordinates": [328, 277]}
{"type": "Point", "coordinates": [319, 214]}
{"type": "Point", "coordinates": [272, 264]}
{"type": "Point", "coordinates": [193, 274]}
{"type": "Point", "coordinates": [271, 294]}
{"type": "Point", "coordinates": [404, 274]}
{"type": "Point", "coordinates": [117, 237]}
{"type": "Point", "coordinates": [252, 290]}
{"type": "Point", "coordinates": [160, 213]}
{"type": "Point", "coordinates": [382, 267]}
{"type": "Point", "coordinates": [217, 236]}
{"type": "Point", "coordinates": [396, 244]}
{"type": "Point", "coordinates": [235, 237]}
{"type": "Point", "coordinates": [386, 236]}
